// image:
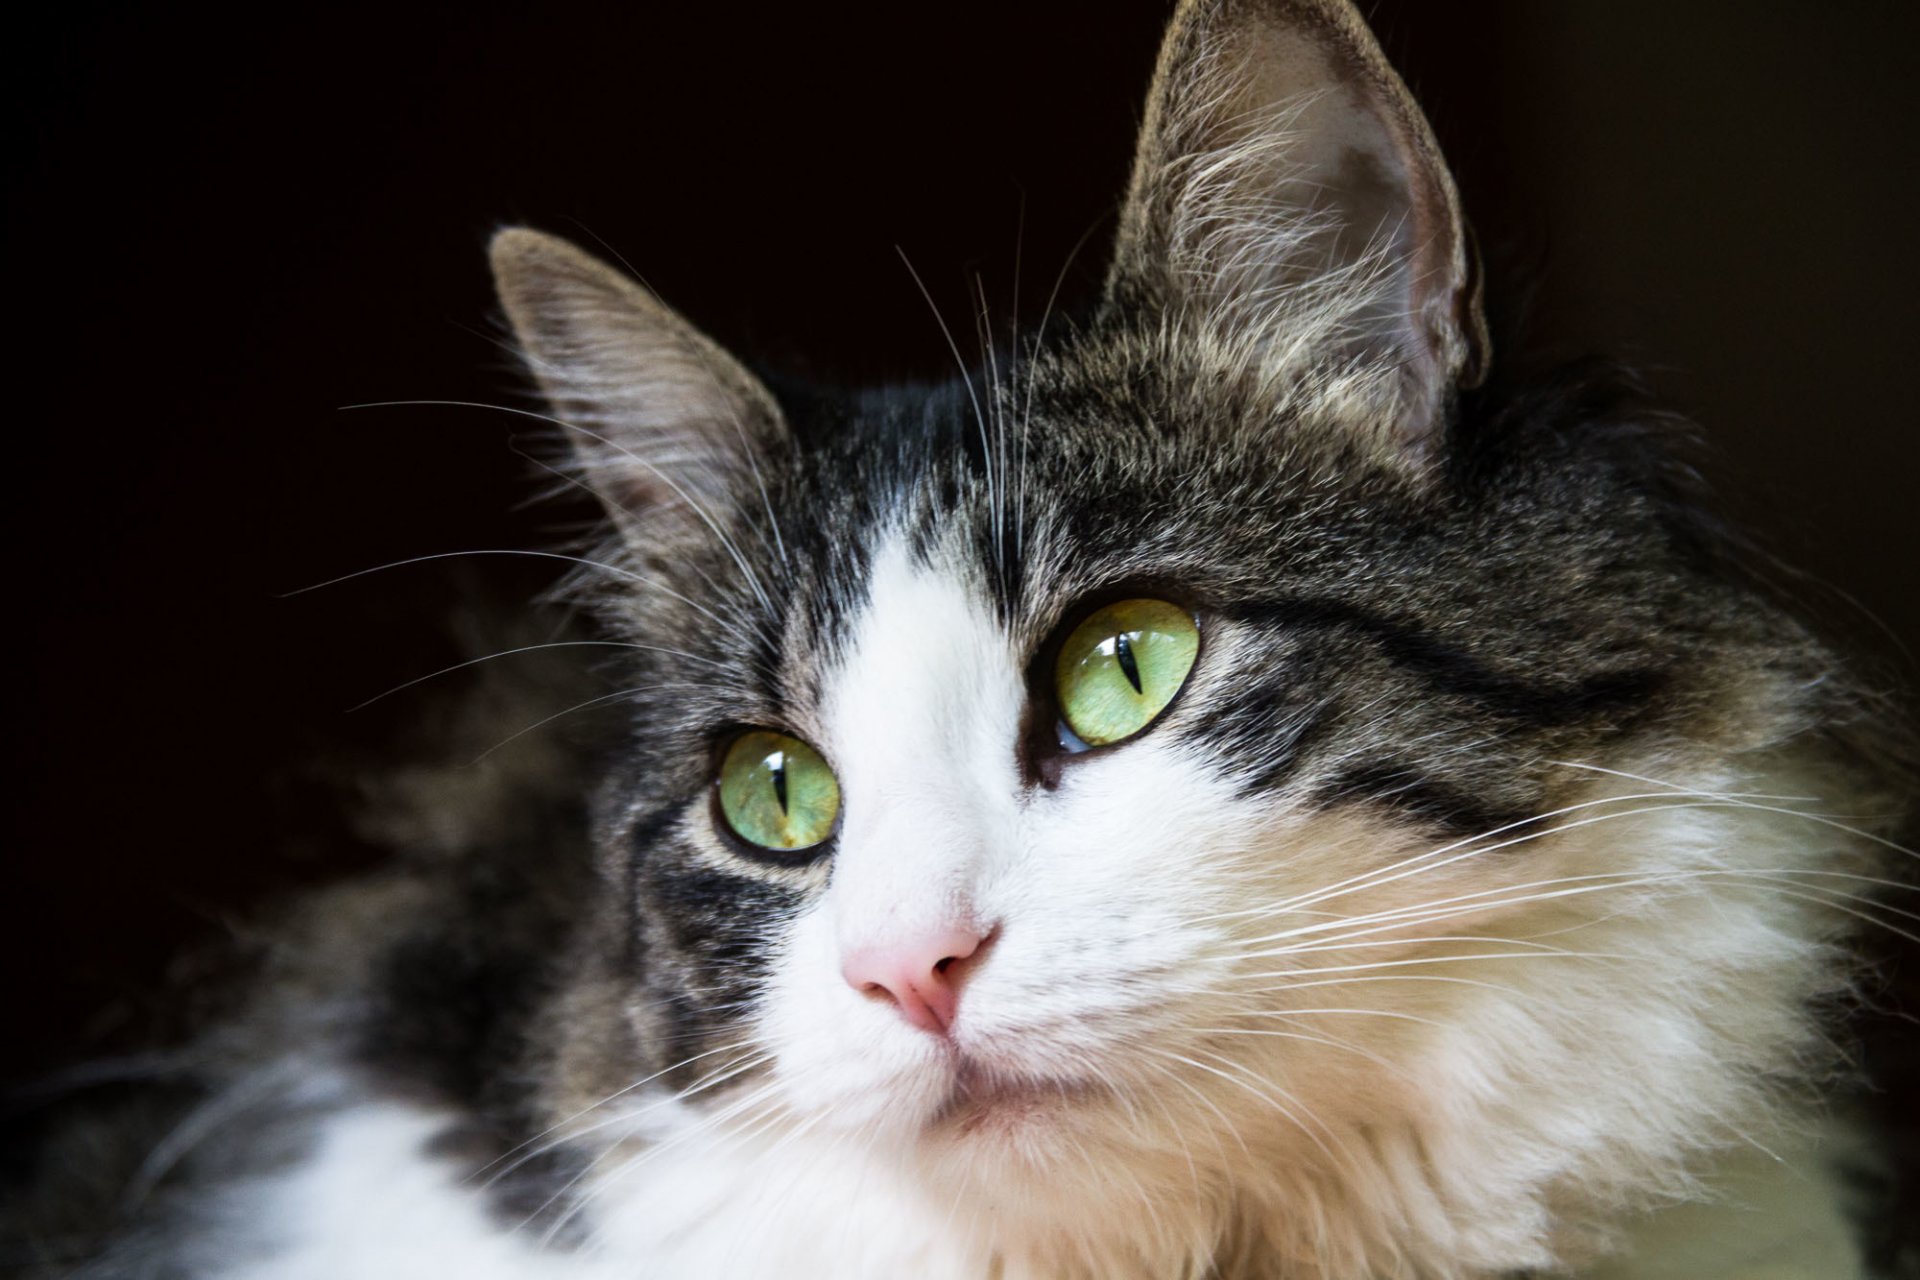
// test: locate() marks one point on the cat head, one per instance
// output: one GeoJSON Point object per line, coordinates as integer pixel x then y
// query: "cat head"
{"type": "Point", "coordinates": [1192, 760]}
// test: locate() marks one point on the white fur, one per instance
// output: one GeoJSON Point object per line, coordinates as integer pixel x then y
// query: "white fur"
{"type": "Point", "coordinates": [370, 1204]}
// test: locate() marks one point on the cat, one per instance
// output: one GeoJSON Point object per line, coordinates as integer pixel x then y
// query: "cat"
{"type": "Point", "coordinates": [1233, 787]}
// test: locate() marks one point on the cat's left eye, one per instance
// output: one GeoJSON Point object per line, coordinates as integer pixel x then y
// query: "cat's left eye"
{"type": "Point", "coordinates": [776, 792]}
{"type": "Point", "coordinates": [1120, 667]}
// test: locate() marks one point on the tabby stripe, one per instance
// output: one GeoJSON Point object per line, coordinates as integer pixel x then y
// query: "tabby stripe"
{"type": "Point", "coordinates": [1459, 673]}
{"type": "Point", "coordinates": [641, 838]}
{"type": "Point", "coordinates": [1407, 790]}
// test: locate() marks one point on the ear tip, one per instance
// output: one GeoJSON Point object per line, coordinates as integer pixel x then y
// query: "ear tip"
{"type": "Point", "coordinates": [1343, 16]}
{"type": "Point", "coordinates": [533, 269]}
{"type": "Point", "coordinates": [512, 248]}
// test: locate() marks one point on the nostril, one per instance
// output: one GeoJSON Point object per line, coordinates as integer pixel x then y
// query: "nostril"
{"type": "Point", "coordinates": [920, 976]}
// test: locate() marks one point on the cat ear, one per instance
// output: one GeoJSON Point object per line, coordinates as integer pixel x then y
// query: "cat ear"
{"type": "Point", "coordinates": [1288, 192]}
{"type": "Point", "coordinates": [659, 417]}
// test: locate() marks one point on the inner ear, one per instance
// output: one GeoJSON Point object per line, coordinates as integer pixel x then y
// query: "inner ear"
{"type": "Point", "coordinates": [1288, 192]}
{"type": "Point", "coordinates": [660, 418]}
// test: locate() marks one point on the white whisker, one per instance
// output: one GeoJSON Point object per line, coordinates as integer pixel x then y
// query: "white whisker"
{"type": "Point", "coordinates": [713, 526]}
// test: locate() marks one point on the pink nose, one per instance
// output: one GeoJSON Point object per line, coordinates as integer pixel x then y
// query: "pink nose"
{"type": "Point", "coordinates": [920, 975]}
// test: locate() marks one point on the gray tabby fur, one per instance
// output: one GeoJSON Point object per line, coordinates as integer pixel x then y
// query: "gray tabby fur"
{"type": "Point", "coordinates": [1441, 613]}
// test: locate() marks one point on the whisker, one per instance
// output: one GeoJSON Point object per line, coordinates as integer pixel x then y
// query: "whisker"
{"type": "Point", "coordinates": [578, 706]}
{"type": "Point", "coordinates": [570, 1134]}
{"type": "Point", "coordinates": [1322, 896]}
{"type": "Point", "coordinates": [980, 417]}
{"type": "Point", "coordinates": [1440, 959]}
{"type": "Point", "coordinates": [195, 1127]}
{"type": "Point", "coordinates": [1491, 899]}
{"type": "Point", "coordinates": [633, 1164]}
{"type": "Point", "coordinates": [1380, 977]}
{"type": "Point", "coordinates": [1330, 1041]}
{"type": "Point", "coordinates": [607, 500]}
{"type": "Point", "coordinates": [1380, 875]}
{"type": "Point", "coordinates": [713, 526]}
{"type": "Point", "coordinates": [600, 565]}
{"type": "Point", "coordinates": [1226, 1126]}
{"type": "Point", "coordinates": [1238, 1078]}
{"type": "Point", "coordinates": [1484, 939]}
{"type": "Point", "coordinates": [1032, 371]}
{"type": "Point", "coordinates": [996, 495]}
{"type": "Point", "coordinates": [532, 648]}
{"type": "Point", "coordinates": [1893, 845]}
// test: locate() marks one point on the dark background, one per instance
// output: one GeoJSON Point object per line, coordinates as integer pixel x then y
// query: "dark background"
{"type": "Point", "coordinates": [219, 230]}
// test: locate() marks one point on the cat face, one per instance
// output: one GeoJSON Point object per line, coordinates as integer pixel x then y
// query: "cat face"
{"type": "Point", "coordinates": [1395, 853]}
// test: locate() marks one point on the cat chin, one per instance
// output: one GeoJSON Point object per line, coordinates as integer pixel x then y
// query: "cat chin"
{"type": "Point", "coordinates": [1004, 1137]}
{"type": "Point", "coordinates": [950, 1102]}
{"type": "Point", "coordinates": [1022, 1119]}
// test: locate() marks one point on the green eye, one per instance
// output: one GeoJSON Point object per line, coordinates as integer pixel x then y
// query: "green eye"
{"type": "Point", "coordinates": [1121, 667]}
{"type": "Point", "coordinates": [777, 792]}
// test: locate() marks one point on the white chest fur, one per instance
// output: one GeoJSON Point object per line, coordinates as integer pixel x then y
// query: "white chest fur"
{"type": "Point", "coordinates": [372, 1203]}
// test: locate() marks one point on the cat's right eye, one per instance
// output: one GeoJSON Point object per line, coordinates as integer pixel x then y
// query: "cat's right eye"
{"type": "Point", "coordinates": [776, 792]}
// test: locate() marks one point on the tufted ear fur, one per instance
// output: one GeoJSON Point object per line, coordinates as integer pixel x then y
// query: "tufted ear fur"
{"type": "Point", "coordinates": [1288, 194]}
{"type": "Point", "coordinates": [661, 420]}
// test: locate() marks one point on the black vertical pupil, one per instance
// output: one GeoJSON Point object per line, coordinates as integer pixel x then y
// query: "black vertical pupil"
{"type": "Point", "coordinates": [780, 780]}
{"type": "Point", "coordinates": [1123, 654]}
